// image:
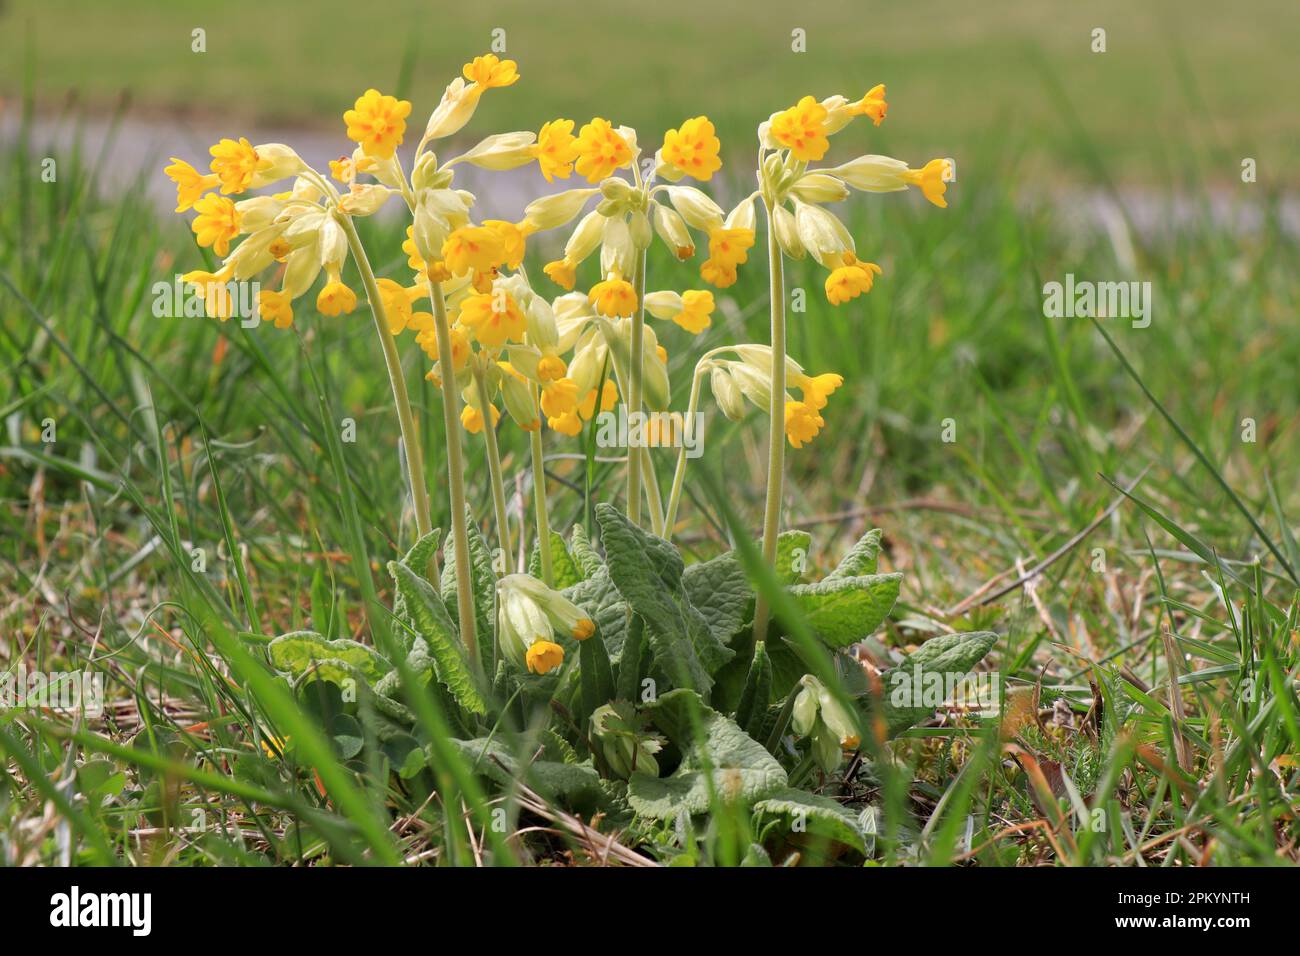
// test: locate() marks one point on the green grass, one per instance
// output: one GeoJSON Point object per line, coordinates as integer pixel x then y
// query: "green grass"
{"type": "Point", "coordinates": [174, 434]}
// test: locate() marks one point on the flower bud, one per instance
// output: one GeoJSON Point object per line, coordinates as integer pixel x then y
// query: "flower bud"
{"type": "Point", "coordinates": [258, 212]}
{"type": "Point", "coordinates": [670, 225]}
{"type": "Point", "coordinates": [625, 748]}
{"type": "Point", "coordinates": [639, 227]}
{"type": "Point", "coordinates": [873, 174]}
{"type": "Point", "coordinates": [333, 243]}
{"type": "Point", "coordinates": [517, 395]}
{"type": "Point", "coordinates": [617, 253]}
{"type": "Point", "coordinates": [364, 199]}
{"type": "Point", "coordinates": [787, 235]}
{"type": "Point", "coordinates": [819, 188]}
{"type": "Point", "coordinates": [301, 269]}
{"type": "Point", "coordinates": [549, 212]}
{"type": "Point", "coordinates": [695, 207]}
{"type": "Point", "coordinates": [822, 234]}
{"type": "Point", "coordinates": [663, 305]}
{"type": "Point", "coordinates": [502, 151]}
{"type": "Point", "coordinates": [284, 163]}
{"type": "Point", "coordinates": [730, 402]}
{"type": "Point", "coordinates": [458, 103]}
{"type": "Point", "coordinates": [742, 217]}
{"type": "Point", "coordinates": [586, 237]}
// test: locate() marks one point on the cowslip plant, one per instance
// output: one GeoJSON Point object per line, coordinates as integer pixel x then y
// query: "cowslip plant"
{"type": "Point", "coordinates": [611, 675]}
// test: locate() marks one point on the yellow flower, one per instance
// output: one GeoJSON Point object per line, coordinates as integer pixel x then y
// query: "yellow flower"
{"type": "Point", "coordinates": [378, 123]}
{"type": "Point", "coordinates": [802, 423]}
{"type": "Point", "coordinates": [427, 338]}
{"type": "Point", "coordinates": [559, 397]}
{"type": "Point", "coordinates": [489, 71]}
{"type": "Point", "coordinates": [544, 656]}
{"type": "Point", "coordinates": [335, 298]}
{"type": "Point", "coordinates": [567, 424]}
{"type": "Point", "coordinates": [816, 388]}
{"type": "Point", "coordinates": [930, 178]}
{"type": "Point", "coordinates": [413, 257]}
{"type": "Point", "coordinates": [728, 248]}
{"type": "Point", "coordinates": [608, 399]}
{"type": "Point", "coordinates": [613, 298]}
{"type": "Point", "coordinates": [397, 304]}
{"type": "Point", "coordinates": [476, 248]}
{"type": "Point", "coordinates": [275, 307]}
{"type": "Point", "coordinates": [190, 183]}
{"type": "Point", "coordinates": [802, 130]}
{"type": "Point", "coordinates": [556, 149]}
{"type": "Point", "coordinates": [601, 150]}
{"type": "Point", "coordinates": [217, 222]}
{"type": "Point", "coordinates": [235, 163]}
{"type": "Point", "coordinates": [872, 104]}
{"type": "Point", "coordinates": [550, 367]}
{"type": "Point", "coordinates": [472, 418]}
{"type": "Point", "coordinates": [512, 236]}
{"type": "Point", "coordinates": [850, 280]}
{"type": "Point", "coordinates": [693, 149]}
{"type": "Point", "coordinates": [494, 318]}
{"type": "Point", "coordinates": [279, 249]}
{"type": "Point", "coordinates": [562, 272]}
{"type": "Point", "coordinates": [697, 306]}
{"type": "Point", "coordinates": [583, 629]}
{"type": "Point", "coordinates": [212, 289]}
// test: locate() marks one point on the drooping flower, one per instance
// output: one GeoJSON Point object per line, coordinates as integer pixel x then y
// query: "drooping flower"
{"type": "Point", "coordinates": [562, 272]}
{"type": "Point", "coordinates": [472, 419]}
{"type": "Point", "coordinates": [728, 248]}
{"type": "Point", "coordinates": [473, 248]}
{"type": "Point", "coordinates": [613, 298]}
{"type": "Point", "coordinates": [872, 104]}
{"type": "Point", "coordinates": [213, 289]}
{"type": "Point", "coordinates": [850, 280]}
{"type": "Point", "coordinates": [397, 303]}
{"type": "Point", "coordinates": [494, 318]}
{"type": "Point", "coordinates": [608, 399]}
{"type": "Point", "coordinates": [490, 71]}
{"type": "Point", "coordinates": [190, 183]}
{"type": "Point", "coordinates": [235, 163]}
{"type": "Point", "coordinates": [693, 148]}
{"type": "Point", "coordinates": [697, 306]}
{"type": "Point", "coordinates": [801, 129]}
{"type": "Point", "coordinates": [931, 179]}
{"type": "Point", "coordinates": [601, 149]}
{"type": "Point", "coordinates": [802, 423]}
{"type": "Point", "coordinates": [513, 238]}
{"type": "Point", "coordinates": [816, 388]}
{"type": "Point", "coordinates": [544, 656]}
{"type": "Point", "coordinates": [556, 149]}
{"type": "Point", "coordinates": [377, 122]}
{"type": "Point", "coordinates": [550, 368]}
{"type": "Point", "coordinates": [530, 615]}
{"type": "Point", "coordinates": [275, 307]}
{"type": "Point", "coordinates": [217, 222]}
{"type": "Point", "coordinates": [566, 424]}
{"type": "Point", "coordinates": [335, 298]}
{"type": "Point", "coordinates": [559, 397]}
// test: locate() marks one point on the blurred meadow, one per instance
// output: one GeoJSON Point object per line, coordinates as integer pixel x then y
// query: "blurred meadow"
{"type": "Point", "coordinates": [1115, 166]}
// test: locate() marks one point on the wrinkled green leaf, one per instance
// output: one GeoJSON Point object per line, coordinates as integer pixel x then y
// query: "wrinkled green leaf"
{"type": "Point", "coordinates": [845, 610]}
{"type": "Point", "coordinates": [739, 768]}
{"type": "Point", "coordinates": [573, 784]}
{"type": "Point", "coordinates": [648, 574]}
{"type": "Point", "coordinates": [719, 590]}
{"type": "Point", "coordinates": [424, 612]}
{"type": "Point", "coordinates": [483, 580]}
{"type": "Point", "coordinates": [948, 654]}
{"type": "Point", "coordinates": [299, 652]}
{"type": "Point", "coordinates": [564, 571]}
{"type": "Point", "coordinates": [820, 815]}
{"type": "Point", "coordinates": [584, 555]}
{"type": "Point", "coordinates": [792, 545]}
{"type": "Point", "coordinates": [861, 559]}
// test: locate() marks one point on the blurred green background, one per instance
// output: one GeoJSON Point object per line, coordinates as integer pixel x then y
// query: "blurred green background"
{"type": "Point", "coordinates": [1176, 74]}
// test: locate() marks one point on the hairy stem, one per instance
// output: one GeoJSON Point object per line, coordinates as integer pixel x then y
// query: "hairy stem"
{"type": "Point", "coordinates": [494, 464]}
{"type": "Point", "coordinates": [455, 473]}
{"type": "Point", "coordinates": [406, 420]}
{"type": "Point", "coordinates": [776, 423]}
{"type": "Point", "coordinates": [635, 374]}
{"type": "Point", "coordinates": [539, 505]}
{"type": "Point", "coordinates": [679, 474]}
